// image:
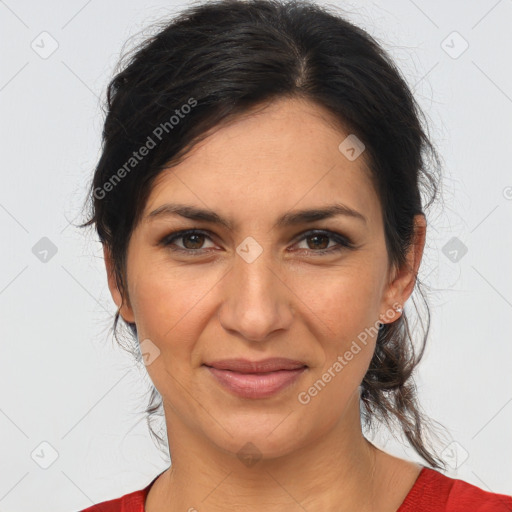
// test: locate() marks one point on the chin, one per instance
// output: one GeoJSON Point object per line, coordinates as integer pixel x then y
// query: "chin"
{"type": "Point", "coordinates": [262, 436]}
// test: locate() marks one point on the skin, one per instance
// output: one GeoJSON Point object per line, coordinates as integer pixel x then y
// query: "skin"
{"type": "Point", "coordinates": [289, 302]}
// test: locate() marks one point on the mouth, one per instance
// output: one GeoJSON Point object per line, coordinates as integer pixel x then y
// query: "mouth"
{"type": "Point", "coordinates": [256, 379]}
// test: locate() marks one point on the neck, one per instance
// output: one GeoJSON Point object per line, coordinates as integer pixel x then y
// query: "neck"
{"type": "Point", "coordinates": [336, 471]}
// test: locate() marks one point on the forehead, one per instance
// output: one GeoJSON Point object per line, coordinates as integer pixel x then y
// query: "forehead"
{"type": "Point", "coordinates": [269, 160]}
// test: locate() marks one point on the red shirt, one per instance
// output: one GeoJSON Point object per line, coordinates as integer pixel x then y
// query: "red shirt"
{"type": "Point", "coordinates": [432, 492]}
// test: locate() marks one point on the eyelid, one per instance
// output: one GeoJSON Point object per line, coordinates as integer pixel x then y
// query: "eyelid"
{"type": "Point", "coordinates": [343, 241]}
{"type": "Point", "coordinates": [176, 235]}
{"type": "Point", "coordinates": [327, 232]}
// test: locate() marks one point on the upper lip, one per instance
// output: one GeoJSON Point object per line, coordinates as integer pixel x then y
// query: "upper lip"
{"type": "Point", "coordinates": [266, 365]}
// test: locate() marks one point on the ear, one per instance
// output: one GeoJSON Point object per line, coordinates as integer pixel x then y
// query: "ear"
{"type": "Point", "coordinates": [402, 283]}
{"type": "Point", "coordinates": [125, 310]}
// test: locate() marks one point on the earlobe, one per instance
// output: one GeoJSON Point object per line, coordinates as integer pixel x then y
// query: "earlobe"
{"type": "Point", "coordinates": [124, 309]}
{"type": "Point", "coordinates": [408, 275]}
{"type": "Point", "coordinates": [404, 279]}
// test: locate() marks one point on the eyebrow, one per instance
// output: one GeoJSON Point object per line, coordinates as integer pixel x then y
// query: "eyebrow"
{"type": "Point", "coordinates": [288, 219]}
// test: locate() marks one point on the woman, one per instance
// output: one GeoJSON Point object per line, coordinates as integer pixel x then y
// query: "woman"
{"type": "Point", "coordinates": [259, 201]}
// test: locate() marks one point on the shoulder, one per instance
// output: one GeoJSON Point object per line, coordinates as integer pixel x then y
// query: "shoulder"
{"type": "Point", "coordinates": [434, 491]}
{"type": "Point", "coordinates": [132, 502]}
{"type": "Point", "coordinates": [465, 496]}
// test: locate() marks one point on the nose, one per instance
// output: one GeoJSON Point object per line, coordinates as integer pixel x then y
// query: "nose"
{"type": "Point", "coordinates": [257, 302]}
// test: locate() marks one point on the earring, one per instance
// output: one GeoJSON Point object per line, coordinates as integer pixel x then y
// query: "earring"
{"type": "Point", "coordinates": [399, 309]}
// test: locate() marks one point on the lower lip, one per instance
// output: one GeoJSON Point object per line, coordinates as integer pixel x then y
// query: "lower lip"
{"type": "Point", "coordinates": [256, 385]}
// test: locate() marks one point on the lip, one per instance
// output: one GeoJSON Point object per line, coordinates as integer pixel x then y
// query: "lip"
{"type": "Point", "coordinates": [271, 364]}
{"type": "Point", "coordinates": [256, 379]}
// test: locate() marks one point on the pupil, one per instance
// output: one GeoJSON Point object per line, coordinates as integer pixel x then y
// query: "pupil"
{"type": "Point", "coordinates": [316, 237]}
{"type": "Point", "coordinates": [193, 236]}
{"type": "Point", "coordinates": [198, 241]}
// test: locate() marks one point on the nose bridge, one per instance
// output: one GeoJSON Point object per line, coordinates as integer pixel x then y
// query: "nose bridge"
{"type": "Point", "coordinates": [256, 301]}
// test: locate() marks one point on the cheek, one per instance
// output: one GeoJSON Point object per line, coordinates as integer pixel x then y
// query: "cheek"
{"type": "Point", "coordinates": [347, 350]}
{"type": "Point", "coordinates": [168, 301]}
{"type": "Point", "coordinates": [170, 308]}
{"type": "Point", "coordinates": [165, 309]}
{"type": "Point", "coordinates": [342, 311]}
{"type": "Point", "coordinates": [340, 304]}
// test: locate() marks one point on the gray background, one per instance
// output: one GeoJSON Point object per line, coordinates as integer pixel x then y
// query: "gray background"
{"type": "Point", "coordinates": [65, 384]}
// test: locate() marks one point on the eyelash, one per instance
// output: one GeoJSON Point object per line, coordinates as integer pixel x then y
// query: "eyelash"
{"type": "Point", "coordinates": [343, 242]}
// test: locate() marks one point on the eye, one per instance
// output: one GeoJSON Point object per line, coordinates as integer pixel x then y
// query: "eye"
{"type": "Point", "coordinates": [193, 240]}
{"type": "Point", "coordinates": [320, 242]}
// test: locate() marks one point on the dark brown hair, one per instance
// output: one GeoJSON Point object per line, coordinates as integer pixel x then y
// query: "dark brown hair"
{"type": "Point", "coordinates": [219, 59]}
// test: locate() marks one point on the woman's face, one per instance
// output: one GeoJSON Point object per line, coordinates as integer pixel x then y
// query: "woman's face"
{"type": "Point", "coordinates": [261, 288]}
